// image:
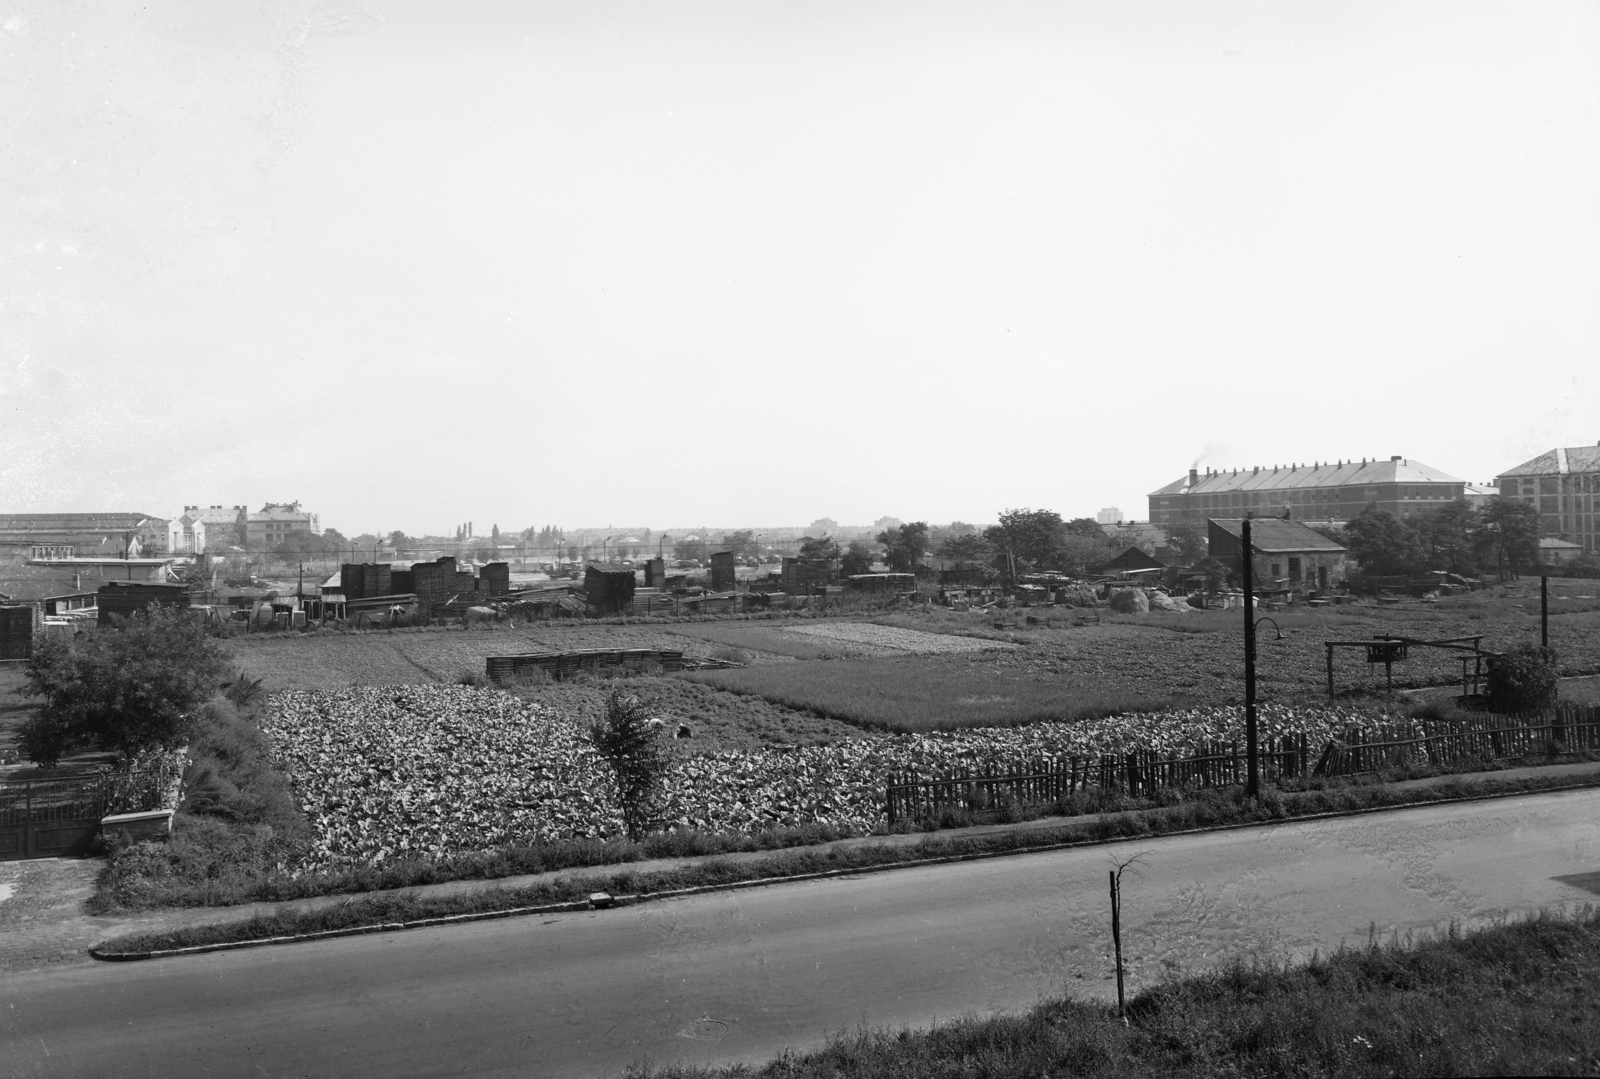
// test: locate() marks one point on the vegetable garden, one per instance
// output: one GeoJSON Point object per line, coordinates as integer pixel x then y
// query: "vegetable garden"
{"type": "Point", "coordinates": [434, 771]}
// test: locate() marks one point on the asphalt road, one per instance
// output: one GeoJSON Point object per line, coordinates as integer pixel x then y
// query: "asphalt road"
{"type": "Point", "coordinates": [741, 975]}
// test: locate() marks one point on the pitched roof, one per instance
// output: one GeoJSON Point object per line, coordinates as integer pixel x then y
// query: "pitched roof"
{"type": "Point", "coordinates": [1271, 534]}
{"type": "Point", "coordinates": [609, 567]}
{"type": "Point", "coordinates": [1558, 462]}
{"type": "Point", "coordinates": [1403, 470]}
{"type": "Point", "coordinates": [30, 591]}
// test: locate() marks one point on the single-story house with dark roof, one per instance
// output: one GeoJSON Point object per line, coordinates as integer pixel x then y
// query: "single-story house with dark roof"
{"type": "Point", "coordinates": [48, 596]}
{"type": "Point", "coordinates": [1129, 560]}
{"type": "Point", "coordinates": [1287, 554]}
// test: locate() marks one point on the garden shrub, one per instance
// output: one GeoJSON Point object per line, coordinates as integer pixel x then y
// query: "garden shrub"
{"type": "Point", "coordinates": [1523, 680]}
{"type": "Point", "coordinates": [629, 739]}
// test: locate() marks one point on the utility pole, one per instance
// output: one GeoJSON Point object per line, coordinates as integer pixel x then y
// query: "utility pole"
{"type": "Point", "coordinates": [1253, 784]}
{"type": "Point", "coordinates": [1544, 611]}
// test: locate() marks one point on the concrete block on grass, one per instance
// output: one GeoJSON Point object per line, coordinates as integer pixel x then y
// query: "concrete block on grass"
{"type": "Point", "coordinates": [154, 824]}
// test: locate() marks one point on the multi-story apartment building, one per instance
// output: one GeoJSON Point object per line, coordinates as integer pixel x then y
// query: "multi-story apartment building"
{"type": "Point", "coordinates": [1317, 493]}
{"type": "Point", "coordinates": [201, 527]}
{"type": "Point", "coordinates": [272, 524]}
{"type": "Point", "coordinates": [1564, 485]}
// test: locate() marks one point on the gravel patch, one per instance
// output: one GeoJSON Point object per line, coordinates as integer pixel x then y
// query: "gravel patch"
{"type": "Point", "coordinates": [895, 639]}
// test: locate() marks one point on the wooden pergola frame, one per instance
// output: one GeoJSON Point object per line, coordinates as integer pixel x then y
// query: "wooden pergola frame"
{"type": "Point", "coordinates": [1386, 650]}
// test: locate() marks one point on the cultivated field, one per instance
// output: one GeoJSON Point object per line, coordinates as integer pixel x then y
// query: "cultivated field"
{"type": "Point", "coordinates": [428, 772]}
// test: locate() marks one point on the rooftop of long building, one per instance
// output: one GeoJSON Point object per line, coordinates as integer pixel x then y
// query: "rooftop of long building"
{"type": "Point", "coordinates": [1559, 462]}
{"type": "Point", "coordinates": [1323, 474]}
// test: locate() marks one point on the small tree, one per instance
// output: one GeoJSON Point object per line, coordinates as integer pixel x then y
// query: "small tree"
{"type": "Point", "coordinates": [1523, 680]}
{"type": "Point", "coordinates": [818, 547]}
{"type": "Point", "coordinates": [630, 741]}
{"type": "Point", "coordinates": [131, 689]}
{"type": "Point", "coordinates": [857, 558]}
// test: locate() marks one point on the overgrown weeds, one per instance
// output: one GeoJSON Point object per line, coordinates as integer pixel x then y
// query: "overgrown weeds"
{"type": "Point", "coordinates": [1511, 999]}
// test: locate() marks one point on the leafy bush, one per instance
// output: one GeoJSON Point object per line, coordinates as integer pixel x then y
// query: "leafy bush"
{"type": "Point", "coordinates": [1523, 680]}
{"type": "Point", "coordinates": [132, 689]}
{"type": "Point", "coordinates": [630, 741]}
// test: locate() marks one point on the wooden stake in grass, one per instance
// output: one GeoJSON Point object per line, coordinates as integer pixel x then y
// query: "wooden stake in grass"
{"type": "Point", "coordinates": [1116, 930]}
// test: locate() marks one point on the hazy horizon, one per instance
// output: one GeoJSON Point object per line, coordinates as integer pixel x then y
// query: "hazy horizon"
{"type": "Point", "coordinates": [414, 264]}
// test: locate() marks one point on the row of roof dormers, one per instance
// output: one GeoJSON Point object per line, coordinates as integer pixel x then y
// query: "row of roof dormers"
{"type": "Point", "coordinates": [1320, 474]}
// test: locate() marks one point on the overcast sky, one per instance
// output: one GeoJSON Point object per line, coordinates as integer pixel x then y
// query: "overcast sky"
{"type": "Point", "coordinates": [755, 263]}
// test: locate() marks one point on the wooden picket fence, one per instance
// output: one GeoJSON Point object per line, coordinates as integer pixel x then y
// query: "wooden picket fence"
{"type": "Point", "coordinates": [1569, 728]}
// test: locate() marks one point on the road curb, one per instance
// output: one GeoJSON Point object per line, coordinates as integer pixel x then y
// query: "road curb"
{"type": "Point", "coordinates": [602, 901]}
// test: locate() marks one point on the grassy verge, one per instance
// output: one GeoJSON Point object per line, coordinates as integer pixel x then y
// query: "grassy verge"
{"type": "Point", "coordinates": [1513, 999]}
{"type": "Point", "coordinates": [203, 866]}
{"type": "Point", "coordinates": [1208, 810]}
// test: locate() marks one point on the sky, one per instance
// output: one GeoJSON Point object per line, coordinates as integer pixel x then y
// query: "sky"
{"type": "Point", "coordinates": [756, 263]}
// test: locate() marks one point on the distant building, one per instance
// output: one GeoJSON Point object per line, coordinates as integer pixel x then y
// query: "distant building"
{"type": "Point", "coordinates": [271, 525]}
{"type": "Point", "coordinates": [202, 526]}
{"type": "Point", "coordinates": [1330, 493]}
{"type": "Point", "coordinates": [96, 534]}
{"type": "Point", "coordinates": [883, 524]}
{"type": "Point", "coordinates": [1288, 554]}
{"type": "Point", "coordinates": [1109, 516]}
{"type": "Point", "coordinates": [821, 525]}
{"type": "Point", "coordinates": [1564, 486]}
{"type": "Point", "coordinates": [1558, 552]}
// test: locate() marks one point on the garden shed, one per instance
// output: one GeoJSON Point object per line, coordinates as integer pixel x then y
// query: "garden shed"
{"type": "Point", "coordinates": [609, 586]}
{"type": "Point", "coordinates": [1301, 558]}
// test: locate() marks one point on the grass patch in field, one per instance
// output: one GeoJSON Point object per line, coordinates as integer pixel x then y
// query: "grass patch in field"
{"type": "Point", "coordinates": [762, 636]}
{"type": "Point", "coordinates": [1207, 809]}
{"type": "Point", "coordinates": [1511, 999]}
{"type": "Point", "coordinates": [931, 693]}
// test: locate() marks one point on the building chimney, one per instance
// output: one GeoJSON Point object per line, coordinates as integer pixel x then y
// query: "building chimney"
{"type": "Point", "coordinates": [1194, 477]}
{"type": "Point", "coordinates": [1396, 457]}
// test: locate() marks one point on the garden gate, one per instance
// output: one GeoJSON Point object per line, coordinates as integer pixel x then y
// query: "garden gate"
{"type": "Point", "coordinates": [46, 818]}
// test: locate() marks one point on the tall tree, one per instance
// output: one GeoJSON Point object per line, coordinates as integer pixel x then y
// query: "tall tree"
{"type": "Point", "coordinates": [1446, 534]}
{"type": "Point", "coordinates": [905, 545]}
{"type": "Point", "coordinates": [1031, 538]}
{"type": "Point", "coordinates": [1187, 540]}
{"type": "Point", "coordinates": [1509, 533]}
{"type": "Point", "coordinates": [1384, 544]}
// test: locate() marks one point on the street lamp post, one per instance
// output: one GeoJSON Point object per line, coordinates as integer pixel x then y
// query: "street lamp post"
{"type": "Point", "coordinates": [1251, 741]}
{"type": "Point", "coordinates": [1253, 783]}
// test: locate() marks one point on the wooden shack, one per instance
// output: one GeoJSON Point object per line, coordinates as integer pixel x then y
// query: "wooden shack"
{"type": "Point", "coordinates": [16, 632]}
{"type": "Point", "coordinates": [723, 573]}
{"type": "Point", "coordinates": [120, 599]}
{"type": "Point", "coordinates": [884, 583]}
{"type": "Point", "coordinates": [609, 586]}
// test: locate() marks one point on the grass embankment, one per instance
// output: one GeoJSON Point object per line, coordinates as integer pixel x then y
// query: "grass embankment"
{"type": "Point", "coordinates": [1513, 999]}
{"type": "Point", "coordinates": [1209, 809]}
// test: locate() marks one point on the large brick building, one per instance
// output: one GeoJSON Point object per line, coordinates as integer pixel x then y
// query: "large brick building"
{"type": "Point", "coordinates": [1564, 485]}
{"type": "Point", "coordinates": [271, 525]}
{"type": "Point", "coordinates": [1319, 493]}
{"type": "Point", "coordinates": [83, 534]}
